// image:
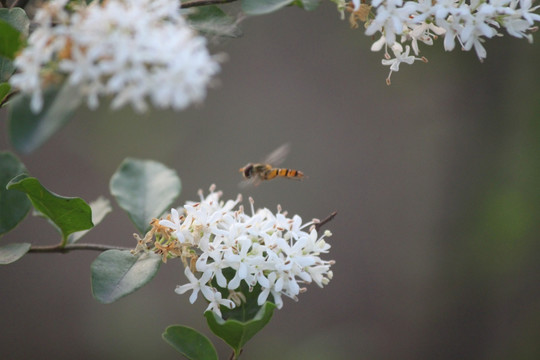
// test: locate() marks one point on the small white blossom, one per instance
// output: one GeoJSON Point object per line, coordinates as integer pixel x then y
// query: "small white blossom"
{"type": "Point", "coordinates": [132, 50]}
{"type": "Point", "coordinates": [216, 301]}
{"type": "Point", "coordinates": [195, 285]}
{"type": "Point", "coordinates": [400, 57]}
{"type": "Point", "coordinates": [270, 285]}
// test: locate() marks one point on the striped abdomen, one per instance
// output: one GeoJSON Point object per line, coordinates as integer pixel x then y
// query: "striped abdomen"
{"type": "Point", "coordinates": [282, 172]}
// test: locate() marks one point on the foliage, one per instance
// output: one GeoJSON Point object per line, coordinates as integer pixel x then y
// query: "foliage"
{"type": "Point", "coordinates": [144, 189]}
{"type": "Point", "coordinates": [68, 214]}
{"type": "Point", "coordinates": [190, 343]}
{"type": "Point", "coordinates": [117, 273]}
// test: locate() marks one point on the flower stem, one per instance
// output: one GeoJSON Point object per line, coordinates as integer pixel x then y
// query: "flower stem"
{"type": "Point", "coordinates": [196, 3]}
{"type": "Point", "coordinates": [71, 247]}
{"type": "Point", "coordinates": [325, 220]}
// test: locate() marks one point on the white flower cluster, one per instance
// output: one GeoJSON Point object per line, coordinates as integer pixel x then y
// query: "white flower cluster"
{"type": "Point", "coordinates": [133, 50]}
{"type": "Point", "coordinates": [272, 250]}
{"type": "Point", "coordinates": [469, 22]}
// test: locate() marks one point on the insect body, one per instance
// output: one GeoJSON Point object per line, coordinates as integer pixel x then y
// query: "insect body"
{"type": "Point", "coordinates": [255, 173]}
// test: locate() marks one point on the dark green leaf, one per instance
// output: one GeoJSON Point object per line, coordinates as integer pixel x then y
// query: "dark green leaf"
{"type": "Point", "coordinates": [67, 213]}
{"type": "Point", "coordinates": [14, 205]}
{"type": "Point", "coordinates": [11, 40]}
{"type": "Point", "coordinates": [12, 252]}
{"type": "Point", "coordinates": [190, 343]}
{"type": "Point", "coordinates": [4, 90]}
{"type": "Point", "coordinates": [308, 5]}
{"type": "Point", "coordinates": [117, 273]}
{"type": "Point", "coordinates": [17, 18]}
{"type": "Point", "coordinates": [260, 7]}
{"type": "Point", "coordinates": [212, 20]}
{"type": "Point", "coordinates": [100, 207]}
{"type": "Point", "coordinates": [6, 68]}
{"type": "Point", "coordinates": [237, 333]}
{"type": "Point", "coordinates": [27, 130]}
{"type": "Point", "coordinates": [145, 189]}
{"type": "Point", "coordinates": [249, 308]}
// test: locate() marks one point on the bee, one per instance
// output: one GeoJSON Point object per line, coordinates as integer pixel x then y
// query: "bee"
{"type": "Point", "coordinates": [254, 173]}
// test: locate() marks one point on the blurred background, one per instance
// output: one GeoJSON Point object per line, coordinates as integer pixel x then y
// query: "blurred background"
{"type": "Point", "coordinates": [436, 181]}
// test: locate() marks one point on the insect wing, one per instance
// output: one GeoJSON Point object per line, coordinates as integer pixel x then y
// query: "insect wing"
{"type": "Point", "coordinates": [246, 183]}
{"type": "Point", "coordinates": [278, 156]}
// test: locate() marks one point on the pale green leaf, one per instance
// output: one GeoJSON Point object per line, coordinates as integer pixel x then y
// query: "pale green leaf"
{"type": "Point", "coordinates": [27, 130]}
{"type": "Point", "coordinates": [260, 7]}
{"type": "Point", "coordinates": [117, 273]}
{"type": "Point", "coordinates": [144, 189]}
{"type": "Point", "coordinates": [12, 252]}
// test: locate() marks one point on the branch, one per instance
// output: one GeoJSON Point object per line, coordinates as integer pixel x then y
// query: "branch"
{"type": "Point", "coordinates": [196, 3]}
{"type": "Point", "coordinates": [67, 248]}
{"type": "Point", "coordinates": [20, 3]}
{"type": "Point", "coordinates": [233, 355]}
{"type": "Point", "coordinates": [324, 221]}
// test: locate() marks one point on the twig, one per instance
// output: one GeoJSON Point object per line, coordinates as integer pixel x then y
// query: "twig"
{"type": "Point", "coordinates": [324, 221]}
{"type": "Point", "coordinates": [67, 248]}
{"type": "Point", "coordinates": [20, 3]}
{"type": "Point", "coordinates": [196, 3]}
{"type": "Point", "coordinates": [233, 357]}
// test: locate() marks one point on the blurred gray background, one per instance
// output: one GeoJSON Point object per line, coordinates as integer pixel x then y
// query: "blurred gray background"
{"type": "Point", "coordinates": [436, 180]}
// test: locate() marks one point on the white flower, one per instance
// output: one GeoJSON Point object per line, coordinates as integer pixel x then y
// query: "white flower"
{"type": "Point", "coordinates": [175, 224]}
{"type": "Point", "coordinates": [270, 285]}
{"type": "Point", "coordinates": [196, 285]}
{"type": "Point", "coordinates": [390, 19]}
{"type": "Point", "coordinates": [210, 263]}
{"type": "Point", "coordinates": [271, 250]}
{"type": "Point", "coordinates": [216, 301]}
{"type": "Point", "coordinates": [400, 57]}
{"type": "Point", "coordinates": [520, 21]}
{"type": "Point", "coordinates": [132, 50]}
{"type": "Point", "coordinates": [424, 32]}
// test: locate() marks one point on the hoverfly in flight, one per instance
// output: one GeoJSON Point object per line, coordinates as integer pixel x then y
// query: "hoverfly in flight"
{"type": "Point", "coordinates": [255, 173]}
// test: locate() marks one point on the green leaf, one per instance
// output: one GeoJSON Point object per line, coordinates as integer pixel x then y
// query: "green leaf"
{"type": "Point", "coordinates": [237, 333]}
{"type": "Point", "coordinates": [27, 130]}
{"type": "Point", "coordinates": [4, 90]}
{"type": "Point", "coordinates": [211, 20]}
{"type": "Point", "coordinates": [260, 7]}
{"type": "Point", "coordinates": [117, 273]}
{"type": "Point", "coordinates": [308, 5]}
{"type": "Point", "coordinates": [67, 213]}
{"type": "Point", "coordinates": [12, 252]}
{"type": "Point", "coordinates": [249, 308]}
{"type": "Point", "coordinates": [17, 18]}
{"type": "Point", "coordinates": [14, 205]}
{"type": "Point", "coordinates": [6, 68]}
{"type": "Point", "coordinates": [190, 343]}
{"type": "Point", "coordinates": [11, 40]}
{"type": "Point", "coordinates": [145, 189]}
{"type": "Point", "coordinates": [100, 207]}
